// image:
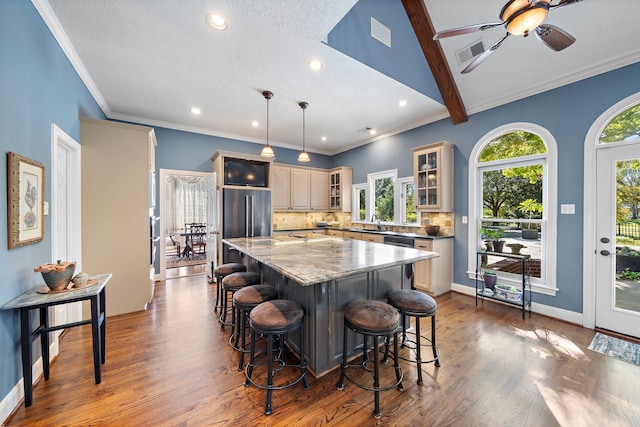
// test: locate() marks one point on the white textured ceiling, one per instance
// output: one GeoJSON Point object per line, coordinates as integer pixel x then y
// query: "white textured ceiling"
{"type": "Point", "coordinates": [151, 61]}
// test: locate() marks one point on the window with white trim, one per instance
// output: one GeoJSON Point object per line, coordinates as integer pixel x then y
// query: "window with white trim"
{"type": "Point", "coordinates": [386, 199]}
{"type": "Point", "coordinates": [513, 197]}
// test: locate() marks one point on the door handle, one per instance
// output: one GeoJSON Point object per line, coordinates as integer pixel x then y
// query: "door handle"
{"type": "Point", "coordinates": [605, 252]}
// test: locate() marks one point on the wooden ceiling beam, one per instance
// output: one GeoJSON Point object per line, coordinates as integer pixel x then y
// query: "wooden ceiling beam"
{"type": "Point", "coordinates": [423, 27]}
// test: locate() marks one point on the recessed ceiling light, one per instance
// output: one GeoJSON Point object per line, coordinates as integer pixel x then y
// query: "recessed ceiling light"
{"type": "Point", "coordinates": [255, 123]}
{"type": "Point", "coordinates": [195, 110]}
{"type": "Point", "coordinates": [324, 138]}
{"type": "Point", "coordinates": [217, 21]}
{"type": "Point", "coordinates": [402, 103]}
{"type": "Point", "coordinates": [315, 65]}
{"type": "Point", "coordinates": [372, 131]}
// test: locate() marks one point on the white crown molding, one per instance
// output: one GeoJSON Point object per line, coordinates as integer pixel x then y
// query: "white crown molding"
{"type": "Point", "coordinates": [50, 18]}
{"type": "Point", "coordinates": [573, 77]}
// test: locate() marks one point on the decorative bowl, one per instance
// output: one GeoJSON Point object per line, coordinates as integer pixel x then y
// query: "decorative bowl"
{"type": "Point", "coordinates": [508, 292]}
{"type": "Point", "coordinates": [432, 230]}
{"type": "Point", "coordinates": [57, 276]}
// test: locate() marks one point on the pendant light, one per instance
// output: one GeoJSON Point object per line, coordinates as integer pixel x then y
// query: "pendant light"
{"type": "Point", "coordinates": [267, 151]}
{"type": "Point", "coordinates": [304, 156]}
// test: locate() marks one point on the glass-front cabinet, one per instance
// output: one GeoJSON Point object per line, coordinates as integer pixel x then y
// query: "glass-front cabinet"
{"type": "Point", "coordinates": [433, 176]}
{"type": "Point", "coordinates": [340, 189]}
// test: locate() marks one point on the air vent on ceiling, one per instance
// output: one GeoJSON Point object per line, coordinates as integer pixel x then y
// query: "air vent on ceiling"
{"type": "Point", "coordinates": [380, 32]}
{"type": "Point", "coordinates": [466, 54]}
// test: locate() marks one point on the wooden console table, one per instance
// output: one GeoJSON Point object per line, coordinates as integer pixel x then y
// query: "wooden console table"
{"type": "Point", "coordinates": [32, 299]}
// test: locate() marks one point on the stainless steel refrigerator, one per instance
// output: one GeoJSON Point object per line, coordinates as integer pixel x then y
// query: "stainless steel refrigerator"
{"type": "Point", "coordinates": [246, 213]}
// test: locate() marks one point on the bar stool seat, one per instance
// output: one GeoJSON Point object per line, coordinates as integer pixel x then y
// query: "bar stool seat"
{"type": "Point", "coordinates": [219, 273]}
{"type": "Point", "coordinates": [274, 319]}
{"type": "Point", "coordinates": [416, 304]}
{"type": "Point", "coordinates": [230, 284]}
{"type": "Point", "coordinates": [376, 319]}
{"type": "Point", "coordinates": [245, 300]}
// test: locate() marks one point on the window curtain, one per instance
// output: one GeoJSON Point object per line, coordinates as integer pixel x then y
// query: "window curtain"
{"type": "Point", "coordinates": [186, 202]}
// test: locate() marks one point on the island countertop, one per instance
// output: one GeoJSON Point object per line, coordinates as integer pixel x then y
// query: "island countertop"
{"type": "Point", "coordinates": [322, 258]}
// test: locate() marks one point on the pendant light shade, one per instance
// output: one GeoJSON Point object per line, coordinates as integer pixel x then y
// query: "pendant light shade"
{"type": "Point", "coordinates": [267, 151]}
{"type": "Point", "coordinates": [304, 156]}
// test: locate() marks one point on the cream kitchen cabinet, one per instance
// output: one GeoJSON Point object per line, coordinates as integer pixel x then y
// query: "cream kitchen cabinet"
{"type": "Point", "coordinates": [434, 275]}
{"type": "Point", "coordinates": [433, 177]}
{"type": "Point", "coordinates": [117, 181]}
{"type": "Point", "coordinates": [319, 190]}
{"type": "Point", "coordinates": [291, 190]}
{"type": "Point", "coordinates": [372, 237]}
{"type": "Point", "coordinates": [335, 233]}
{"type": "Point", "coordinates": [340, 189]}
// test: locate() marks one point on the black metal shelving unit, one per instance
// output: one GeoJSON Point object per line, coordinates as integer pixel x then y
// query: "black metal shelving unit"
{"type": "Point", "coordinates": [526, 280]}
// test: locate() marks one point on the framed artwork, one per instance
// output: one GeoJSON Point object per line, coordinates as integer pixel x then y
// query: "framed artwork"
{"type": "Point", "coordinates": [25, 200]}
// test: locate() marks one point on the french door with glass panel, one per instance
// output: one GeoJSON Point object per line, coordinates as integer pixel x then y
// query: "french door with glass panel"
{"type": "Point", "coordinates": [618, 230]}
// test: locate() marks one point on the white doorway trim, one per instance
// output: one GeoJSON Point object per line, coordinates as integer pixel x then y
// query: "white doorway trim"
{"type": "Point", "coordinates": [161, 276]}
{"type": "Point", "coordinates": [589, 221]}
{"type": "Point", "coordinates": [66, 211]}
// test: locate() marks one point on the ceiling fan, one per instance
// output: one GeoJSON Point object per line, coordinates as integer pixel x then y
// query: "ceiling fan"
{"type": "Point", "coordinates": [519, 17]}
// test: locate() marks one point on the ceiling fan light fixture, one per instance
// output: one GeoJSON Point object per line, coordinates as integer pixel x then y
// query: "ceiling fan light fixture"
{"type": "Point", "coordinates": [528, 19]}
{"type": "Point", "coordinates": [304, 156]}
{"type": "Point", "coordinates": [267, 151]}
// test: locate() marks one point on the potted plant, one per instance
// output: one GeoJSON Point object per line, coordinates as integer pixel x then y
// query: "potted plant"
{"type": "Point", "coordinates": [490, 279]}
{"type": "Point", "coordinates": [516, 247]}
{"type": "Point", "coordinates": [530, 206]}
{"type": "Point", "coordinates": [493, 236]}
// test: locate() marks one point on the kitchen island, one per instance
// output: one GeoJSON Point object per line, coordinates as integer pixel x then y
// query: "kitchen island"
{"type": "Point", "coordinates": [323, 274]}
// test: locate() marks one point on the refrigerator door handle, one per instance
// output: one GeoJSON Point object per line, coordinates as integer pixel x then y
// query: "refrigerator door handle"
{"type": "Point", "coordinates": [246, 216]}
{"type": "Point", "coordinates": [252, 217]}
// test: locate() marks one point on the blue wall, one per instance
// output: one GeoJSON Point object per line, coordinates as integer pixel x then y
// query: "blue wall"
{"type": "Point", "coordinates": [193, 152]}
{"type": "Point", "coordinates": [38, 87]}
{"type": "Point", "coordinates": [567, 112]}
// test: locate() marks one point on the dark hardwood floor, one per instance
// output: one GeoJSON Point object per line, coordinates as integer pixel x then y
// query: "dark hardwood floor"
{"type": "Point", "coordinates": [172, 366]}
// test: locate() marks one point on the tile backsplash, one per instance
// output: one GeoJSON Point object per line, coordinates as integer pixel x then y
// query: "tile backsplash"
{"type": "Point", "coordinates": [299, 220]}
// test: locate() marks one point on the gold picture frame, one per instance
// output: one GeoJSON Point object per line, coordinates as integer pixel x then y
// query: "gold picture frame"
{"type": "Point", "coordinates": [25, 200]}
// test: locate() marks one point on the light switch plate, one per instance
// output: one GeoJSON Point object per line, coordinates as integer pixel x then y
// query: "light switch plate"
{"type": "Point", "coordinates": [568, 209]}
{"type": "Point", "coordinates": [465, 219]}
{"type": "Point", "coordinates": [46, 208]}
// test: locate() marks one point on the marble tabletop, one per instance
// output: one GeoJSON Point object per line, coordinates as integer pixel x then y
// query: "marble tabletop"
{"type": "Point", "coordinates": [321, 259]}
{"type": "Point", "coordinates": [33, 298]}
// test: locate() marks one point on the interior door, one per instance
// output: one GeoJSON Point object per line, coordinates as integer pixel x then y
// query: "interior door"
{"type": "Point", "coordinates": [617, 299]}
{"type": "Point", "coordinates": [212, 222]}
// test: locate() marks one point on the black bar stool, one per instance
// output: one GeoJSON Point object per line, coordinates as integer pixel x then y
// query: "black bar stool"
{"type": "Point", "coordinates": [416, 304]}
{"type": "Point", "coordinates": [219, 273]}
{"type": "Point", "coordinates": [376, 319]}
{"type": "Point", "coordinates": [245, 300]}
{"type": "Point", "coordinates": [230, 284]}
{"type": "Point", "coordinates": [276, 319]}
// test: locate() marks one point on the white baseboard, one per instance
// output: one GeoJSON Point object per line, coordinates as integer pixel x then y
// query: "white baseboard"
{"type": "Point", "coordinates": [16, 396]}
{"type": "Point", "coordinates": [546, 310]}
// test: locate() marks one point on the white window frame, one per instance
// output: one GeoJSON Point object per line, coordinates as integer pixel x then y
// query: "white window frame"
{"type": "Point", "coordinates": [355, 203]}
{"type": "Point", "coordinates": [401, 208]}
{"type": "Point", "coordinates": [371, 201]}
{"type": "Point", "coordinates": [547, 283]}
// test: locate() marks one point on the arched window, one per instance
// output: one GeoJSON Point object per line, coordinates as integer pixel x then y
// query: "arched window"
{"type": "Point", "coordinates": [513, 177]}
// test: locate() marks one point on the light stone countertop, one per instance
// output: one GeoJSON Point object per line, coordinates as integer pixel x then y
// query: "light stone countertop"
{"type": "Point", "coordinates": [322, 258]}
{"type": "Point", "coordinates": [33, 298]}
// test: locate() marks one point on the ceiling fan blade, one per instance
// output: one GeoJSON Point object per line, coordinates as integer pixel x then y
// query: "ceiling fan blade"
{"type": "Point", "coordinates": [483, 56]}
{"type": "Point", "coordinates": [554, 37]}
{"type": "Point", "coordinates": [466, 30]}
{"type": "Point", "coordinates": [563, 3]}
